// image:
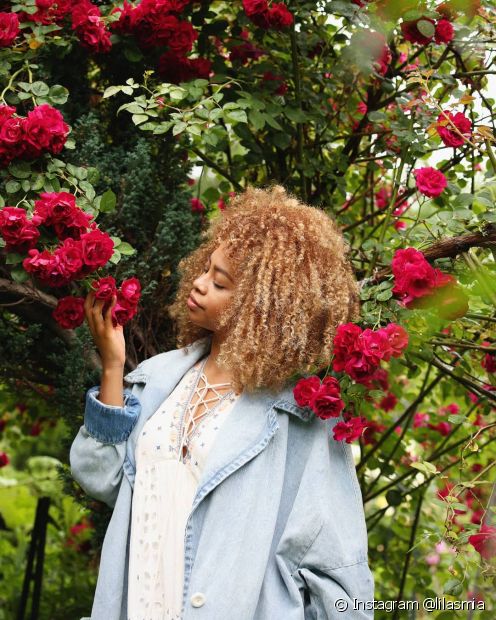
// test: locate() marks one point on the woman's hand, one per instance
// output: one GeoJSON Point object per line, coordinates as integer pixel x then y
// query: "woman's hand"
{"type": "Point", "coordinates": [108, 339]}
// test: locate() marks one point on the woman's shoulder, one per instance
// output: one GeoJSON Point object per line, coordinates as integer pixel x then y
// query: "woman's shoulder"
{"type": "Point", "coordinates": [159, 362]}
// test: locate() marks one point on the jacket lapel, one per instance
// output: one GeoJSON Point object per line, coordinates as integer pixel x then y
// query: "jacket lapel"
{"type": "Point", "coordinates": [250, 424]}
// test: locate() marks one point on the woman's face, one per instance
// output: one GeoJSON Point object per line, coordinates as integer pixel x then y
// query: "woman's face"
{"type": "Point", "coordinates": [212, 290]}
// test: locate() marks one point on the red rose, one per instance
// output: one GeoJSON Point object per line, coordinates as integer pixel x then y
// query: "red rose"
{"type": "Point", "coordinates": [430, 182]}
{"type": "Point", "coordinates": [181, 37]}
{"type": "Point", "coordinates": [326, 402]}
{"type": "Point", "coordinates": [6, 111]}
{"type": "Point", "coordinates": [278, 16]}
{"type": "Point", "coordinates": [484, 541]}
{"type": "Point", "coordinates": [375, 345]}
{"type": "Point", "coordinates": [345, 340]}
{"type": "Point", "coordinates": [197, 205]}
{"type": "Point", "coordinates": [130, 290]}
{"type": "Point", "coordinates": [19, 233]}
{"type": "Point", "coordinates": [413, 275]}
{"type": "Point", "coordinates": [69, 256]}
{"type": "Point", "coordinates": [122, 312]}
{"type": "Point", "coordinates": [255, 7]}
{"type": "Point", "coordinates": [176, 69]}
{"type": "Point", "coordinates": [104, 288]}
{"type": "Point", "coordinates": [444, 31]}
{"type": "Point", "coordinates": [9, 28]}
{"type": "Point", "coordinates": [4, 459]}
{"type": "Point", "coordinates": [412, 33]}
{"type": "Point", "coordinates": [245, 52]}
{"type": "Point", "coordinates": [59, 209]}
{"type": "Point", "coordinates": [305, 390]}
{"type": "Point", "coordinates": [89, 27]}
{"type": "Point", "coordinates": [350, 430]}
{"type": "Point", "coordinates": [489, 362]}
{"type": "Point", "coordinates": [44, 129]}
{"type": "Point", "coordinates": [398, 338]}
{"type": "Point", "coordinates": [388, 402]}
{"type": "Point", "coordinates": [445, 129]}
{"type": "Point", "coordinates": [69, 312]}
{"type": "Point", "coordinates": [282, 88]}
{"type": "Point", "coordinates": [97, 248]}
{"type": "Point", "coordinates": [125, 24]}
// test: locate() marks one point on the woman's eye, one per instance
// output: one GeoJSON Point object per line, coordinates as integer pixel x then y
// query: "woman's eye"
{"type": "Point", "coordinates": [216, 285]}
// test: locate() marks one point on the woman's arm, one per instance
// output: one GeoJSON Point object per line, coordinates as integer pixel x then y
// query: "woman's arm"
{"type": "Point", "coordinates": [324, 543]}
{"type": "Point", "coordinates": [98, 451]}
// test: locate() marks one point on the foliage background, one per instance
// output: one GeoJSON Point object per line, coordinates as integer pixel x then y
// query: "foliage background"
{"type": "Point", "coordinates": [344, 135]}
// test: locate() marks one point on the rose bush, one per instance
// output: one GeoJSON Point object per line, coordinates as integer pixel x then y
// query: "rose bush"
{"type": "Point", "coordinates": [379, 112]}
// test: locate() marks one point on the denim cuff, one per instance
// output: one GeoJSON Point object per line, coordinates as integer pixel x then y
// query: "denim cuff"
{"type": "Point", "coordinates": [108, 423]}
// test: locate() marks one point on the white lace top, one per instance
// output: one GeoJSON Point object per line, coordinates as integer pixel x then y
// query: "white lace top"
{"type": "Point", "coordinates": [169, 464]}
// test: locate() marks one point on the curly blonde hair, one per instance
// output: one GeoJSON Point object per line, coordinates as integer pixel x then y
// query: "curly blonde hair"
{"type": "Point", "coordinates": [294, 286]}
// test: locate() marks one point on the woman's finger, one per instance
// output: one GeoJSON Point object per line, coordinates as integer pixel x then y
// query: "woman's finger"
{"type": "Point", "coordinates": [108, 315]}
{"type": "Point", "coordinates": [88, 305]}
{"type": "Point", "coordinates": [97, 314]}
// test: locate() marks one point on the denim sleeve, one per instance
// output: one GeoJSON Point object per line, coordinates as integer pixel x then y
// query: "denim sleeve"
{"type": "Point", "coordinates": [98, 451]}
{"type": "Point", "coordinates": [325, 543]}
{"type": "Point", "coordinates": [344, 593]}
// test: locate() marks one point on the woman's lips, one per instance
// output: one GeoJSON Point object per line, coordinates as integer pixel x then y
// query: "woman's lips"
{"type": "Point", "coordinates": [192, 304]}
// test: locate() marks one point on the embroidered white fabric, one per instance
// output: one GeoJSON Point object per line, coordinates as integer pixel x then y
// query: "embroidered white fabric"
{"type": "Point", "coordinates": [165, 485]}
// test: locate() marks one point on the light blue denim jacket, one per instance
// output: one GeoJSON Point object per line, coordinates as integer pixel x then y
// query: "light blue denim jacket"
{"type": "Point", "coordinates": [277, 528]}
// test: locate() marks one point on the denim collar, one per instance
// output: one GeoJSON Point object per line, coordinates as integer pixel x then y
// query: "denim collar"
{"type": "Point", "coordinates": [165, 370]}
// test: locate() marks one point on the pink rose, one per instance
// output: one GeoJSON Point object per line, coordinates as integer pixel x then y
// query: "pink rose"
{"type": "Point", "coordinates": [430, 182]}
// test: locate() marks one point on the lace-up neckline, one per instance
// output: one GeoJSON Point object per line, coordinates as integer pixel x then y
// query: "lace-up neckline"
{"type": "Point", "coordinates": [191, 421]}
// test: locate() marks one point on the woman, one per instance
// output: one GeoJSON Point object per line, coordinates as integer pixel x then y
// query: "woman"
{"type": "Point", "coordinates": [271, 524]}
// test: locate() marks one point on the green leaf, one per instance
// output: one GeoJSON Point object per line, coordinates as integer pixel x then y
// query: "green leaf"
{"type": "Point", "coordinates": [108, 201]}
{"type": "Point", "coordinates": [394, 497]}
{"type": "Point", "coordinates": [256, 119]}
{"type": "Point", "coordinates": [139, 118]}
{"type": "Point", "coordinates": [426, 28]}
{"type": "Point", "coordinates": [40, 89]}
{"type": "Point", "coordinates": [384, 295]}
{"type": "Point", "coordinates": [126, 248]}
{"type": "Point", "coordinates": [110, 91]}
{"type": "Point", "coordinates": [235, 116]}
{"type": "Point", "coordinates": [58, 94]}
{"type": "Point", "coordinates": [11, 187]}
{"type": "Point", "coordinates": [13, 259]}
{"type": "Point", "coordinates": [116, 257]}
{"type": "Point", "coordinates": [20, 170]}
{"type": "Point", "coordinates": [425, 467]}
{"type": "Point", "coordinates": [453, 587]}
{"type": "Point", "coordinates": [19, 275]}
{"type": "Point", "coordinates": [178, 128]}
{"type": "Point", "coordinates": [88, 189]}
